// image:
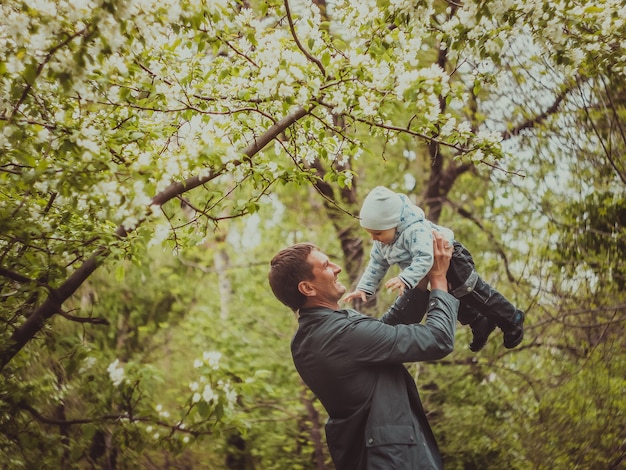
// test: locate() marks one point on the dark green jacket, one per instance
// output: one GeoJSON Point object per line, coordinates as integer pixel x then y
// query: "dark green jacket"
{"type": "Point", "coordinates": [354, 364]}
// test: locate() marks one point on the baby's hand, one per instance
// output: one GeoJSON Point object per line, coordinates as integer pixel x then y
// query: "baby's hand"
{"type": "Point", "coordinates": [357, 294]}
{"type": "Point", "coordinates": [395, 283]}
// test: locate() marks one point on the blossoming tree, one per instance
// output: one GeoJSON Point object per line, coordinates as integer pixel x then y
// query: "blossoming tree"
{"type": "Point", "coordinates": [114, 112]}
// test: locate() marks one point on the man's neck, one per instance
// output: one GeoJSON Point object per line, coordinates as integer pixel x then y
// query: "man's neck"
{"type": "Point", "coordinates": [330, 305]}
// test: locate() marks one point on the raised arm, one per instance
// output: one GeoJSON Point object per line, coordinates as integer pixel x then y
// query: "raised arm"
{"type": "Point", "coordinates": [412, 305]}
{"type": "Point", "coordinates": [442, 252]}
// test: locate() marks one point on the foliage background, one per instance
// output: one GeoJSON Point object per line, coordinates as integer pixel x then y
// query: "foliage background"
{"type": "Point", "coordinates": [155, 155]}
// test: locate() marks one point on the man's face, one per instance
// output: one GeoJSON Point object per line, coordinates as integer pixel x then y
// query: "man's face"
{"type": "Point", "coordinates": [383, 236]}
{"type": "Point", "coordinates": [328, 290]}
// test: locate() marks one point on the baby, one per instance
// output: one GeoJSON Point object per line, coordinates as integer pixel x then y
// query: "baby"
{"type": "Point", "coordinates": [403, 236]}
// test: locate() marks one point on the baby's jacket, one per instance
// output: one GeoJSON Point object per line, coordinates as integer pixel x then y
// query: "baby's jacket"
{"type": "Point", "coordinates": [411, 249]}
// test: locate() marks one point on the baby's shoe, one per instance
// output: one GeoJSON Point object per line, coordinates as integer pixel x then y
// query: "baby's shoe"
{"type": "Point", "coordinates": [481, 329]}
{"type": "Point", "coordinates": [514, 336]}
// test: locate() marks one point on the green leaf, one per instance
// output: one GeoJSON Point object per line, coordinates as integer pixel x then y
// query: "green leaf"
{"type": "Point", "coordinates": [120, 272]}
{"type": "Point", "coordinates": [477, 87]}
{"type": "Point", "coordinates": [326, 58]}
{"type": "Point", "coordinates": [204, 410]}
{"type": "Point", "coordinates": [30, 72]}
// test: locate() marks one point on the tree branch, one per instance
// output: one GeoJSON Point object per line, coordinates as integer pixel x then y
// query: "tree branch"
{"type": "Point", "coordinates": [463, 213]}
{"type": "Point", "coordinates": [534, 122]}
{"type": "Point", "coordinates": [93, 321]}
{"type": "Point", "coordinates": [52, 305]}
{"type": "Point", "coordinates": [114, 418]}
{"type": "Point", "coordinates": [300, 46]}
{"type": "Point", "coordinates": [51, 53]}
{"type": "Point", "coordinates": [596, 131]}
{"type": "Point", "coordinates": [16, 277]}
{"type": "Point", "coordinates": [406, 130]}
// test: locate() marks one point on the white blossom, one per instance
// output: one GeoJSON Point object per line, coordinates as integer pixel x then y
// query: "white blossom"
{"type": "Point", "coordinates": [88, 363]}
{"type": "Point", "coordinates": [208, 394]}
{"type": "Point", "coordinates": [160, 234]}
{"type": "Point", "coordinates": [368, 105]}
{"type": "Point", "coordinates": [230, 394]}
{"type": "Point", "coordinates": [130, 223]}
{"type": "Point", "coordinates": [448, 126]}
{"type": "Point", "coordinates": [116, 374]}
{"type": "Point", "coordinates": [212, 358]}
{"type": "Point", "coordinates": [477, 155]}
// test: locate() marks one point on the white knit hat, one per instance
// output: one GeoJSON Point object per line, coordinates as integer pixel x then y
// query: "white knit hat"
{"type": "Point", "coordinates": [381, 209]}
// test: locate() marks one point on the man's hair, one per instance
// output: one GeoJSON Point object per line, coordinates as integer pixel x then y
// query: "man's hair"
{"type": "Point", "coordinates": [287, 269]}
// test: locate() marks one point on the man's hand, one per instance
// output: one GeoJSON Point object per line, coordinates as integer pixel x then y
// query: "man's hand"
{"type": "Point", "coordinates": [443, 253]}
{"type": "Point", "coordinates": [395, 283]}
{"type": "Point", "coordinates": [357, 294]}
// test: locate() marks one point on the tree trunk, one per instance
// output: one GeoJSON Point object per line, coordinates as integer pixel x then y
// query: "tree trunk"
{"type": "Point", "coordinates": [315, 429]}
{"type": "Point", "coordinates": [221, 262]}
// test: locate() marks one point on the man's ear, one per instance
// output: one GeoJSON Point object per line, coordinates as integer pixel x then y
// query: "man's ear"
{"type": "Point", "coordinates": [306, 288]}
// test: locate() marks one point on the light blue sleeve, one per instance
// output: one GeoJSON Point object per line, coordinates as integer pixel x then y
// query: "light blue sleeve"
{"type": "Point", "coordinates": [417, 241]}
{"type": "Point", "coordinates": [374, 273]}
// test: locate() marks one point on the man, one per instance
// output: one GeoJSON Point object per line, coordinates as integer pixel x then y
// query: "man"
{"type": "Point", "coordinates": [354, 363]}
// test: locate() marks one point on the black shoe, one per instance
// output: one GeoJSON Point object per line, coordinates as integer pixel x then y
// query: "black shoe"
{"type": "Point", "coordinates": [515, 335]}
{"type": "Point", "coordinates": [481, 328]}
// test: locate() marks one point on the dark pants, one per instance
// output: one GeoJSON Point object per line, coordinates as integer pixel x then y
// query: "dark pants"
{"type": "Point", "coordinates": [476, 296]}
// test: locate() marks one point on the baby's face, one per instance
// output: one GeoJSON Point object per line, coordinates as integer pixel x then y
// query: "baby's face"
{"type": "Point", "coordinates": [383, 236]}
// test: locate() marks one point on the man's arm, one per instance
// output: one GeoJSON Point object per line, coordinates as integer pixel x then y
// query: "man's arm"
{"type": "Point", "coordinates": [442, 251]}
{"type": "Point", "coordinates": [439, 296]}
{"type": "Point", "coordinates": [380, 342]}
{"type": "Point", "coordinates": [375, 342]}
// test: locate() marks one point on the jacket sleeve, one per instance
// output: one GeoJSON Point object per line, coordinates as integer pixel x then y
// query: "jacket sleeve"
{"type": "Point", "coordinates": [375, 271]}
{"type": "Point", "coordinates": [376, 342]}
{"type": "Point", "coordinates": [409, 307]}
{"type": "Point", "coordinates": [419, 243]}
